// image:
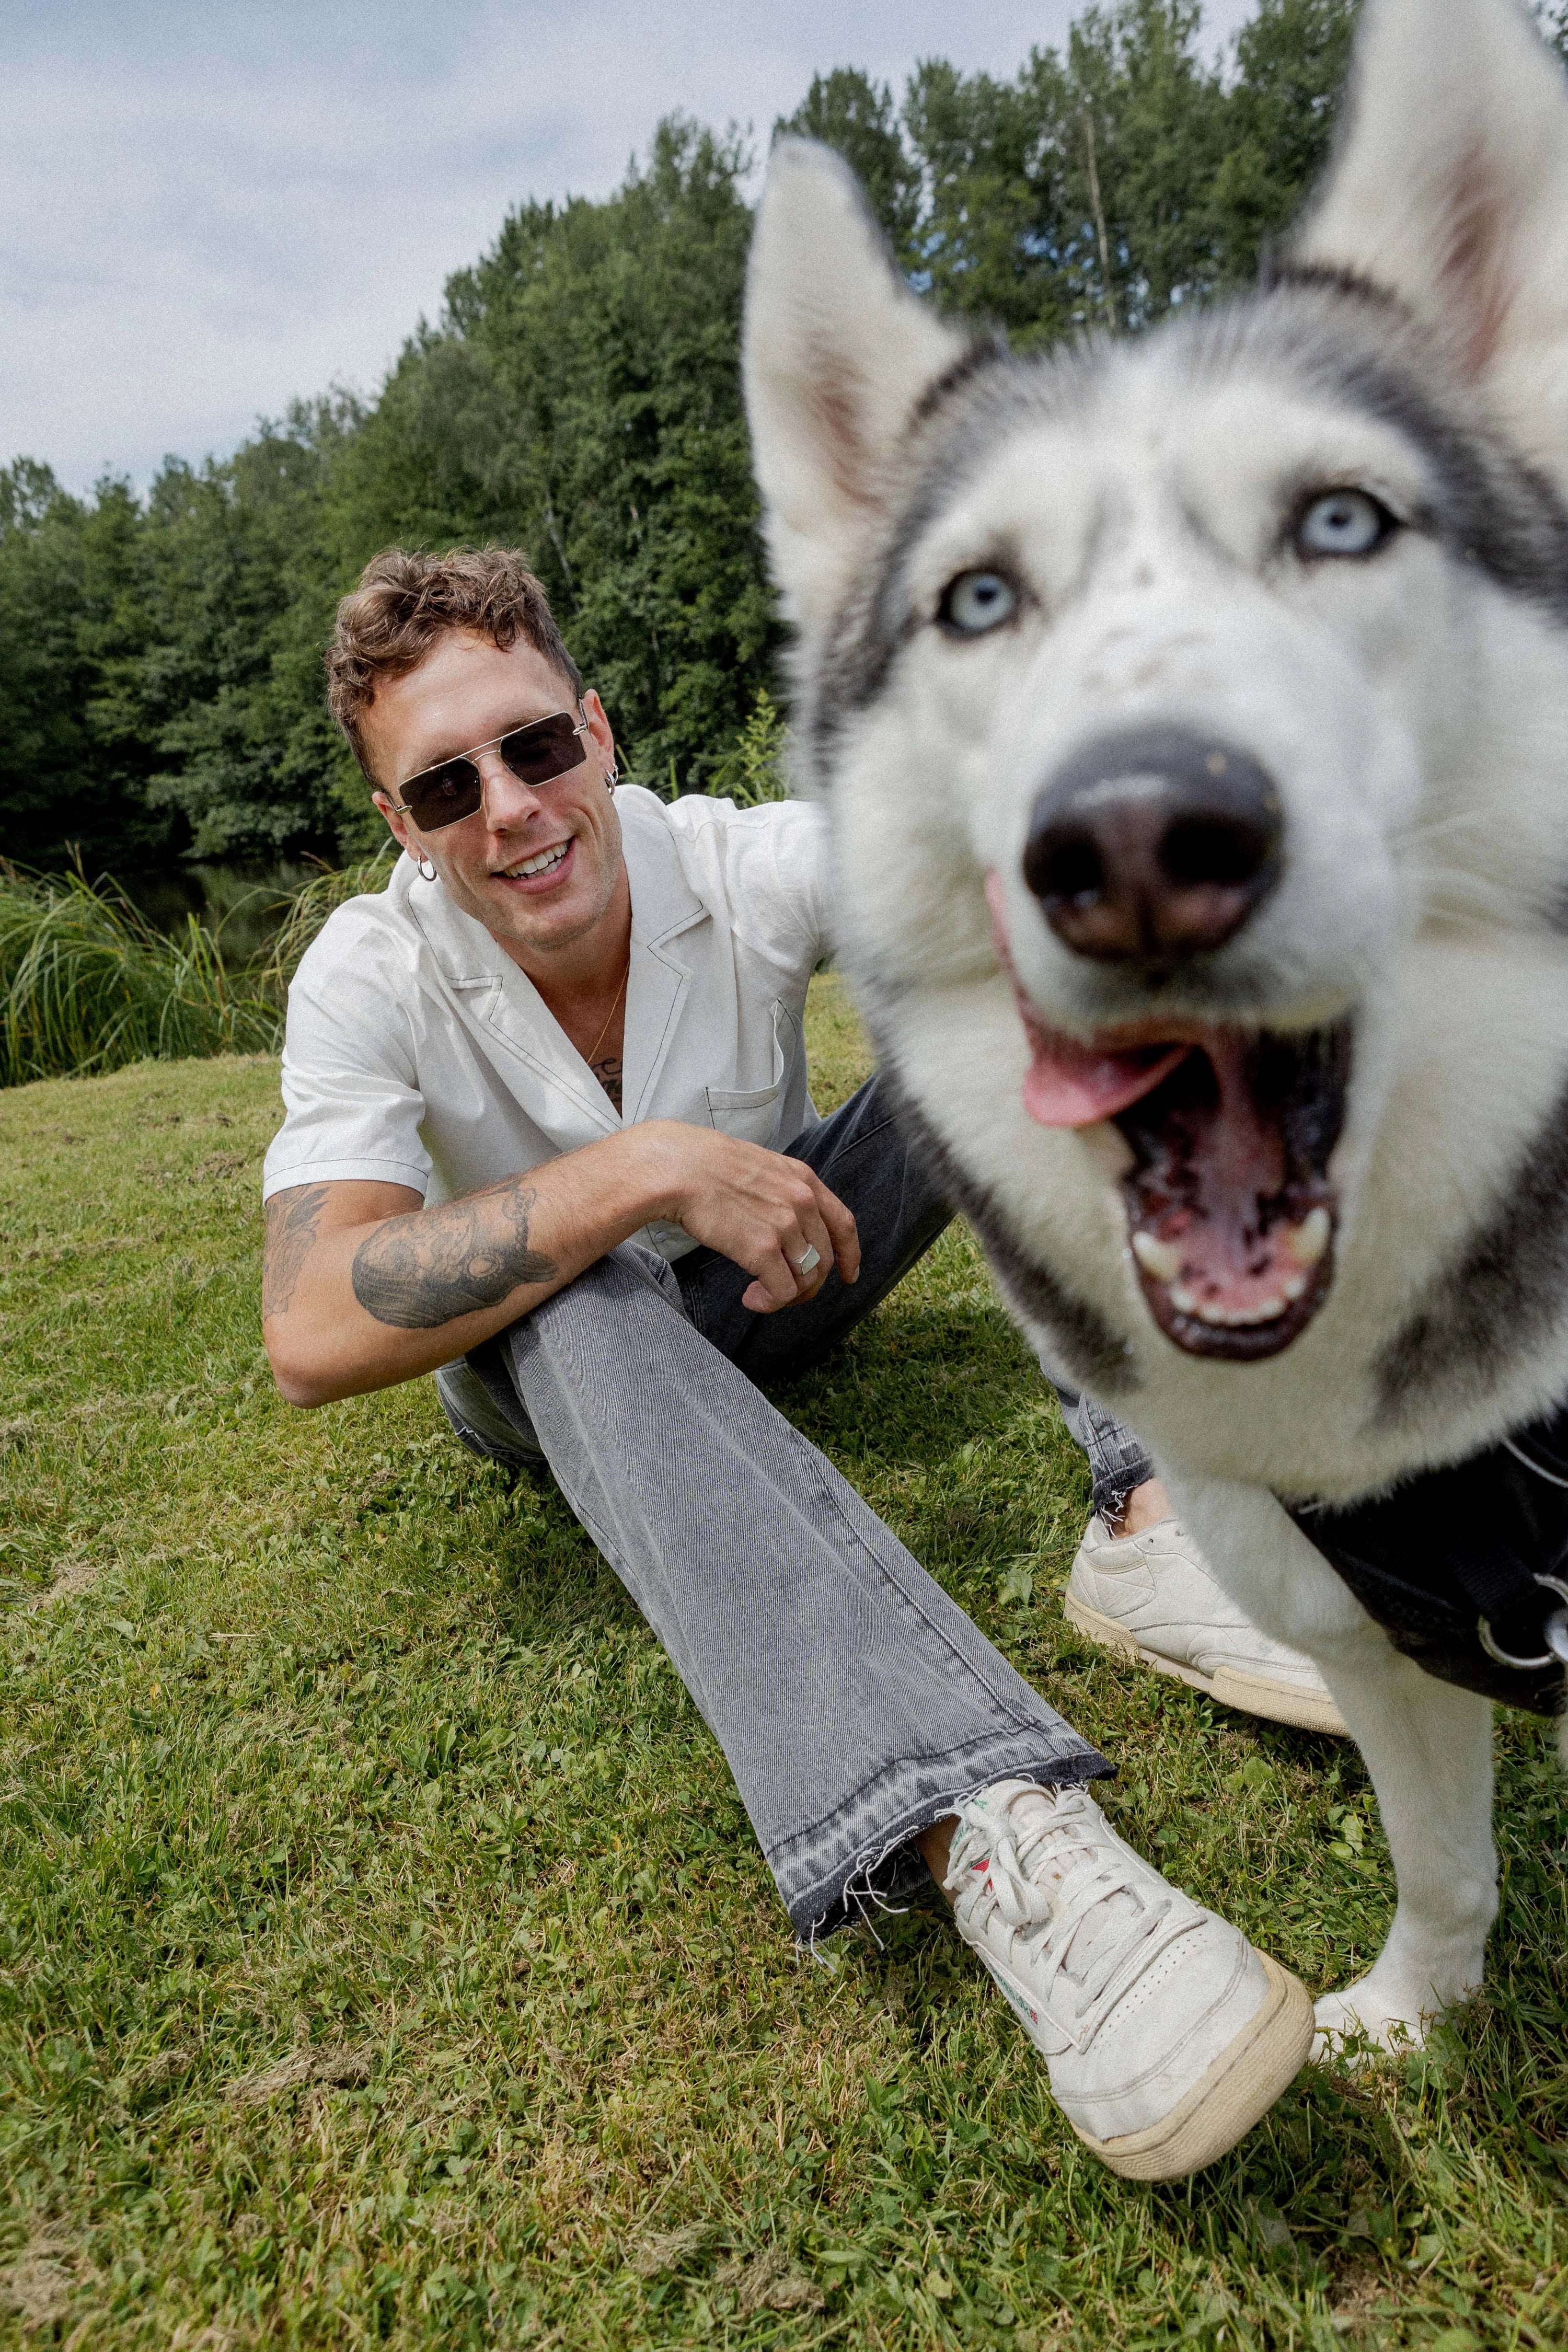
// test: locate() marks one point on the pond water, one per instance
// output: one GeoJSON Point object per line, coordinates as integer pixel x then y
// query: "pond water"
{"type": "Point", "coordinates": [242, 904]}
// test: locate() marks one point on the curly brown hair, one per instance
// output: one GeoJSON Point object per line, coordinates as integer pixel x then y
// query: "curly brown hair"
{"type": "Point", "coordinates": [406, 601]}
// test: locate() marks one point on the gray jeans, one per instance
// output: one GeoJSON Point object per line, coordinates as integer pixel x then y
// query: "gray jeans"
{"type": "Point", "coordinates": [855, 1702]}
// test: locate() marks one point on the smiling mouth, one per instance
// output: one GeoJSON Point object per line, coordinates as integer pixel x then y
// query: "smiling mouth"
{"type": "Point", "coordinates": [1231, 1213]}
{"type": "Point", "coordinates": [533, 870]}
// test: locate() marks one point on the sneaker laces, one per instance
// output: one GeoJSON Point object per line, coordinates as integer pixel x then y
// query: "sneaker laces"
{"type": "Point", "coordinates": [1064, 1898]}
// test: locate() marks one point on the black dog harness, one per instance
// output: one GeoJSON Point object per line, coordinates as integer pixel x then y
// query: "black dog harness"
{"type": "Point", "coordinates": [1467, 1569]}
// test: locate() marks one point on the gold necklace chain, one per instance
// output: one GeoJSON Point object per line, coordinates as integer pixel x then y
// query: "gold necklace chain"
{"type": "Point", "coordinates": [591, 1057]}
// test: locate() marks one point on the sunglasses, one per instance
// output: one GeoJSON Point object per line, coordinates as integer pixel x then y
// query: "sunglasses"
{"type": "Point", "coordinates": [535, 754]}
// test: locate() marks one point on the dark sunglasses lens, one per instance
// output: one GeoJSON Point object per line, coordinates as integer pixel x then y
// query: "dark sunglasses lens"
{"type": "Point", "coordinates": [549, 748]}
{"type": "Point", "coordinates": [442, 795]}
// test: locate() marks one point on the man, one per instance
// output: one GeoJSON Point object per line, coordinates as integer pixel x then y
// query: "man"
{"type": "Point", "coordinates": [549, 1138]}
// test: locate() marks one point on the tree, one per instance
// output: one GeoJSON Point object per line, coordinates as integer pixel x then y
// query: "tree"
{"type": "Point", "coordinates": [582, 398]}
{"type": "Point", "coordinates": [161, 690]}
{"type": "Point", "coordinates": [75, 764]}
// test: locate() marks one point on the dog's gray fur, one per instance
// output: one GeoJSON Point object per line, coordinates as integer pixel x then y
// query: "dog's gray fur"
{"type": "Point", "coordinates": [1414, 710]}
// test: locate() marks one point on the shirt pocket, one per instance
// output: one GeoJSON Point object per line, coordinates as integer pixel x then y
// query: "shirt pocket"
{"type": "Point", "coordinates": [751, 1113]}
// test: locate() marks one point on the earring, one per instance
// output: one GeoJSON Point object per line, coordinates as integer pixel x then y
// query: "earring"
{"type": "Point", "coordinates": [422, 863]}
{"type": "Point", "coordinates": [612, 779]}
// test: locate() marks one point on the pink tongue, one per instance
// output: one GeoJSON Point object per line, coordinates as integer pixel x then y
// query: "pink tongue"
{"type": "Point", "coordinates": [1070, 1085]}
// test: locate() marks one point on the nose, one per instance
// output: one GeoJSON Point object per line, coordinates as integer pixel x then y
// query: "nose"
{"type": "Point", "coordinates": [505, 799]}
{"type": "Point", "coordinates": [1154, 846]}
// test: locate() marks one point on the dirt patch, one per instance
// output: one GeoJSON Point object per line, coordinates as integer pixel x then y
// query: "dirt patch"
{"type": "Point", "coordinates": [72, 1576]}
{"type": "Point", "coordinates": [668, 2253]}
{"type": "Point", "coordinates": [40, 2283]}
{"type": "Point", "coordinates": [347, 2069]}
{"type": "Point", "coordinates": [766, 2282]}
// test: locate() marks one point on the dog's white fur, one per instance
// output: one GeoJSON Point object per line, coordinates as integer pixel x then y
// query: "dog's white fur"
{"type": "Point", "coordinates": [1414, 713]}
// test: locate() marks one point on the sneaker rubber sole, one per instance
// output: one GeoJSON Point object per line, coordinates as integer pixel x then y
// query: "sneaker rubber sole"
{"type": "Point", "coordinates": [1236, 2093]}
{"type": "Point", "coordinates": [1253, 1694]}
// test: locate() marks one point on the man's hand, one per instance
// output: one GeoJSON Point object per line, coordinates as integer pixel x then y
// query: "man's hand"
{"type": "Point", "coordinates": [758, 1209]}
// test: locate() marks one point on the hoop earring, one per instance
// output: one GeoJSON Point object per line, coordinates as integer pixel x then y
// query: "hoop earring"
{"type": "Point", "coordinates": [422, 863]}
{"type": "Point", "coordinates": [612, 779]}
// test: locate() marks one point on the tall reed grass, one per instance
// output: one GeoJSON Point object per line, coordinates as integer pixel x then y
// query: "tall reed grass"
{"type": "Point", "coordinates": [86, 984]}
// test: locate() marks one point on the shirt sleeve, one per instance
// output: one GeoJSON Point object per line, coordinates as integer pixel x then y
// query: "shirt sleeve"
{"type": "Point", "coordinates": [780, 881]}
{"type": "Point", "coordinates": [353, 1108]}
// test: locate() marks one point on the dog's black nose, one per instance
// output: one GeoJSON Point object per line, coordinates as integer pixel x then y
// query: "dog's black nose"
{"type": "Point", "coordinates": [1154, 846]}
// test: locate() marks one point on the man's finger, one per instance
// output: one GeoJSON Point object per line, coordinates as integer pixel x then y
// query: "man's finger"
{"type": "Point", "coordinates": [812, 1257]}
{"type": "Point", "coordinates": [773, 1282]}
{"type": "Point", "coordinates": [840, 1224]}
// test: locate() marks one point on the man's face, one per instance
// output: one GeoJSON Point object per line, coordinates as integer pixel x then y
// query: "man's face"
{"type": "Point", "coordinates": [465, 692]}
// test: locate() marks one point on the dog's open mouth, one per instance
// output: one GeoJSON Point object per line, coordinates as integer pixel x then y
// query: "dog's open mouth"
{"type": "Point", "coordinates": [1231, 1209]}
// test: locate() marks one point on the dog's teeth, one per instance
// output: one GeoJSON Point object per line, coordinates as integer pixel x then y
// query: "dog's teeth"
{"type": "Point", "coordinates": [1295, 1288]}
{"type": "Point", "coordinates": [1183, 1301]}
{"type": "Point", "coordinates": [1309, 1239]}
{"type": "Point", "coordinates": [1161, 1259]}
{"type": "Point", "coordinates": [1237, 1318]}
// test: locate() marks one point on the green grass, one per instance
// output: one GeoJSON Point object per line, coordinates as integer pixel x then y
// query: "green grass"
{"type": "Point", "coordinates": [384, 1957]}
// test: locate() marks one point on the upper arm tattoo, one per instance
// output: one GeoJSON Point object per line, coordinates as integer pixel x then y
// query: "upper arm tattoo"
{"type": "Point", "coordinates": [419, 1271]}
{"type": "Point", "coordinates": [291, 1218]}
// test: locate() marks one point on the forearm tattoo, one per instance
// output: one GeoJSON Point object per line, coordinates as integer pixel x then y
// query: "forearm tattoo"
{"type": "Point", "coordinates": [419, 1271]}
{"type": "Point", "coordinates": [291, 1221]}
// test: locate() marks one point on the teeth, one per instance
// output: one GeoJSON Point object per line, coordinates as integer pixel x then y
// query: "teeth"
{"type": "Point", "coordinates": [1309, 1239]}
{"type": "Point", "coordinates": [1161, 1259]}
{"type": "Point", "coordinates": [540, 865]}
{"type": "Point", "coordinates": [1234, 1319]}
{"type": "Point", "coordinates": [1183, 1301]}
{"type": "Point", "coordinates": [1296, 1288]}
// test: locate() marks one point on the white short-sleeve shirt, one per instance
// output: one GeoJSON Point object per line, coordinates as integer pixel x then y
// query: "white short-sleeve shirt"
{"type": "Point", "coordinates": [418, 1053]}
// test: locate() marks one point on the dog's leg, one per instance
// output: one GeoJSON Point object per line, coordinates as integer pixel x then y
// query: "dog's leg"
{"type": "Point", "coordinates": [1428, 1747]}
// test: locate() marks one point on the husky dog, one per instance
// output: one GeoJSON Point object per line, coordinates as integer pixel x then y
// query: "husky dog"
{"type": "Point", "coordinates": [1193, 714]}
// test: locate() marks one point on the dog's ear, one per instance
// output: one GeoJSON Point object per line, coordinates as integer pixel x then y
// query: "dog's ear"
{"type": "Point", "coordinates": [1450, 190]}
{"type": "Point", "coordinates": [838, 351]}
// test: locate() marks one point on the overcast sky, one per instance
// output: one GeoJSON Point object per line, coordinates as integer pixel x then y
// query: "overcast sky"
{"type": "Point", "coordinates": [210, 208]}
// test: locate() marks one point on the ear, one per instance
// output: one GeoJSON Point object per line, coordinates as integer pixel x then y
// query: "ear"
{"type": "Point", "coordinates": [1450, 190]}
{"type": "Point", "coordinates": [838, 351]}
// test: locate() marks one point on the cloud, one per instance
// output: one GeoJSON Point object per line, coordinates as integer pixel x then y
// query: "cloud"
{"type": "Point", "coordinates": [216, 208]}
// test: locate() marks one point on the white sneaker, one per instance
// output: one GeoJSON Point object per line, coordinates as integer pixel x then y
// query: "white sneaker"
{"type": "Point", "coordinates": [1165, 2034]}
{"type": "Point", "coordinates": [1154, 1597]}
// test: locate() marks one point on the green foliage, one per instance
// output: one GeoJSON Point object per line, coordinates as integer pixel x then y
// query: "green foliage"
{"type": "Point", "coordinates": [236, 582]}
{"type": "Point", "coordinates": [753, 770]}
{"type": "Point", "coordinates": [385, 1958]}
{"type": "Point", "coordinates": [160, 659]}
{"type": "Point", "coordinates": [87, 985]}
{"type": "Point", "coordinates": [74, 774]}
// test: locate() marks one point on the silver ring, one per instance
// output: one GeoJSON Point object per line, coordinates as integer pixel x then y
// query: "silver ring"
{"type": "Point", "coordinates": [810, 1261]}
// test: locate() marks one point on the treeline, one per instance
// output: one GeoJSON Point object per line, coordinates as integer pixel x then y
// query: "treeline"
{"type": "Point", "coordinates": [159, 655]}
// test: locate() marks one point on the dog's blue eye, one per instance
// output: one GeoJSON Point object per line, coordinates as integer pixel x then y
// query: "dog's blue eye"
{"type": "Point", "coordinates": [978, 601]}
{"type": "Point", "coordinates": [1343, 523]}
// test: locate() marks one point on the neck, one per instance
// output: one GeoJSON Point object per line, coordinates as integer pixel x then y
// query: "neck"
{"type": "Point", "coordinates": [584, 970]}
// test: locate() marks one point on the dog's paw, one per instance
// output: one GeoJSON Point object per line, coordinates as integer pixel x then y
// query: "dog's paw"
{"type": "Point", "coordinates": [1358, 2025]}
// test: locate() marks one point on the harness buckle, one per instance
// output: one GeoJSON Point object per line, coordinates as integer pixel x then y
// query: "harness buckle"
{"type": "Point", "coordinates": [1554, 1632]}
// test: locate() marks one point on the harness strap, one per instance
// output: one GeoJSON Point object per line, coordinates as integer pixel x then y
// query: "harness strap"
{"type": "Point", "coordinates": [1466, 1567]}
